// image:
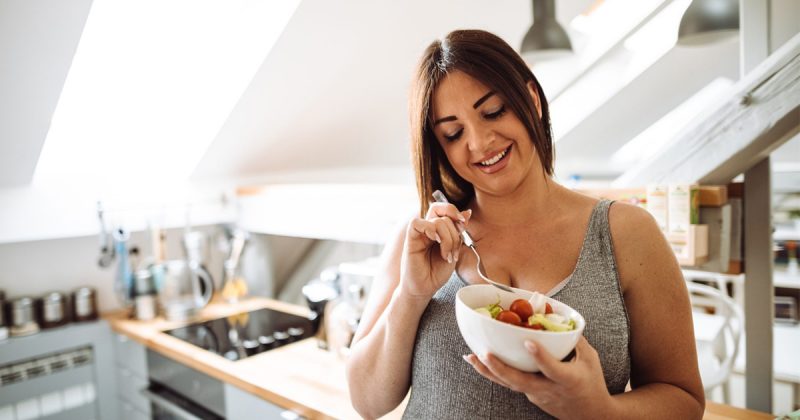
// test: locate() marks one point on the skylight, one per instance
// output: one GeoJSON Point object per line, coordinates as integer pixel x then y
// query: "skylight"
{"type": "Point", "coordinates": [151, 84]}
{"type": "Point", "coordinates": [617, 69]}
{"type": "Point", "coordinates": [659, 135]}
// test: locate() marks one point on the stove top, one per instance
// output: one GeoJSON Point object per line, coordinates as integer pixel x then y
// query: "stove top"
{"type": "Point", "coordinates": [245, 334]}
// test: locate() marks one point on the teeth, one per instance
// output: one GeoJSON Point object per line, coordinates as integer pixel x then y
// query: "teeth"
{"type": "Point", "coordinates": [492, 161]}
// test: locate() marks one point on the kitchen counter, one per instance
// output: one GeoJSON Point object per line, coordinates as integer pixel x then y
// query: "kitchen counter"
{"type": "Point", "coordinates": [298, 376]}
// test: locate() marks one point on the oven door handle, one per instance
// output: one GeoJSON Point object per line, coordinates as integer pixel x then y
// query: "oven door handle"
{"type": "Point", "coordinates": [168, 405]}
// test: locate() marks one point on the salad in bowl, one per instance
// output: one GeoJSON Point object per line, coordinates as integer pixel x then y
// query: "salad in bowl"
{"type": "Point", "coordinates": [499, 322]}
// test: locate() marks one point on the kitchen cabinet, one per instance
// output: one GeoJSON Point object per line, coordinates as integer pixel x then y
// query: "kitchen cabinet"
{"type": "Point", "coordinates": [130, 372]}
{"type": "Point", "coordinates": [241, 405]}
{"type": "Point", "coordinates": [132, 376]}
{"type": "Point", "coordinates": [65, 372]}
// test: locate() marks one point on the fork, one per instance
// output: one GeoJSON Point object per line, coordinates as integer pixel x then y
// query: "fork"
{"type": "Point", "coordinates": [440, 198]}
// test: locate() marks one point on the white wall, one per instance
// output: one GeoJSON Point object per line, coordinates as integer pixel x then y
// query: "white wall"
{"type": "Point", "coordinates": [36, 267]}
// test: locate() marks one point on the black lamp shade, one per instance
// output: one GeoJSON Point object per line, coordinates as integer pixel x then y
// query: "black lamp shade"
{"type": "Point", "coordinates": [546, 38]}
{"type": "Point", "coordinates": [706, 21]}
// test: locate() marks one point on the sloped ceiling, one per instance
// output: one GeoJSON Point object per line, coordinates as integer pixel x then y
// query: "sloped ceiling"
{"type": "Point", "coordinates": [333, 91]}
{"type": "Point", "coordinates": [38, 39]}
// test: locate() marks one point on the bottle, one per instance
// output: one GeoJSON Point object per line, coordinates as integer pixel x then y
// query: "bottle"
{"type": "Point", "coordinates": [319, 294]}
{"type": "Point", "coordinates": [343, 319]}
{"type": "Point", "coordinates": [145, 302]}
{"type": "Point", "coordinates": [234, 287]}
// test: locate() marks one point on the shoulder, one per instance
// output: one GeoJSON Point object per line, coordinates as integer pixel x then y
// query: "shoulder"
{"type": "Point", "coordinates": [641, 251]}
{"type": "Point", "coordinates": [631, 223]}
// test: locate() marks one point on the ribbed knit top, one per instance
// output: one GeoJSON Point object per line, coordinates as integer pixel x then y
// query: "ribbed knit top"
{"type": "Point", "coordinates": [444, 386]}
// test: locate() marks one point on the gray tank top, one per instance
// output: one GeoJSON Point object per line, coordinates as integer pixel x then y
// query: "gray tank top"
{"type": "Point", "coordinates": [444, 386]}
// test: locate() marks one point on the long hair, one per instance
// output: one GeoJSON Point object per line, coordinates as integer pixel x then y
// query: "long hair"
{"type": "Point", "coordinates": [490, 60]}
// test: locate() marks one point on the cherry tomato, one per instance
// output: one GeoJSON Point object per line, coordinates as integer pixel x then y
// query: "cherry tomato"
{"type": "Point", "coordinates": [548, 309]}
{"type": "Point", "coordinates": [509, 317]}
{"type": "Point", "coordinates": [522, 308]}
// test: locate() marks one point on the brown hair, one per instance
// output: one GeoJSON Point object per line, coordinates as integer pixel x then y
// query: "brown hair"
{"type": "Point", "coordinates": [490, 60]}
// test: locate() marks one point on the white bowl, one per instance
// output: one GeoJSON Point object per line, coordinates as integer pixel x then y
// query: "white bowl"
{"type": "Point", "coordinates": [486, 335]}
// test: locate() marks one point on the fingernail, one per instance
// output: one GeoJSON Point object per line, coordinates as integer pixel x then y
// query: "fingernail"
{"type": "Point", "coordinates": [450, 258]}
{"type": "Point", "coordinates": [469, 212]}
{"type": "Point", "coordinates": [438, 239]}
{"type": "Point", "coordinates": [461, 217]}
{"type": "Point", "coordinates": [531, 346]}
{"type": "Point", "coordinates": [455, 256]}
{"type": "Point", "coordinates": [461, 227]}
{"type": "Point", "coordinates": [466, 358]}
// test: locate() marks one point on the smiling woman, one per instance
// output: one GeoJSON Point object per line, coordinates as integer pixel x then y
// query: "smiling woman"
{"type": "Point", "coordinates": [508, 88]}
{"type": "Point", "coordinates": [481, 133]}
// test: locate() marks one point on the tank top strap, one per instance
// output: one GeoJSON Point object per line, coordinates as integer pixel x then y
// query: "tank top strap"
{"type": "Point", "coordinates": [597, 252]}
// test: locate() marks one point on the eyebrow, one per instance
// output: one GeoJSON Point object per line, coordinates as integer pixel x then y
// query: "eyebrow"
{"type": "Point", "coordinates": [474, 106]}
{"type": "Point", "coordinates": [482, 100]}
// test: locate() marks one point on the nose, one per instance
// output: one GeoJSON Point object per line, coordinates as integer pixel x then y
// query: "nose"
{"type": "Point", "coordinates": [481, 139]}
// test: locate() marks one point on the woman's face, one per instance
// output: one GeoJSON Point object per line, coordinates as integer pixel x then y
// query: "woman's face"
{"type": "Point", "coordinates": [484, 140]}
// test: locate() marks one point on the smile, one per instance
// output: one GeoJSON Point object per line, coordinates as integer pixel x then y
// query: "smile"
{"type": "Point", "coordinates": [496, 158]}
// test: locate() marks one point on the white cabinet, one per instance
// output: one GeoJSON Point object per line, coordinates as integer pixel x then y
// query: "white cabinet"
{"type": "Point", "coordinates": [241, 405]}
{"type": "Point", "coordinates": [130, 370]}
{"type": "Point", "coordinates": [61, 373]}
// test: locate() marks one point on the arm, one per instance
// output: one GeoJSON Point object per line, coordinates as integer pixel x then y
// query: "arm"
{"type": "Point", "coordinates": [378, 368]}
{"type": "Point", "coordinates": [414, 265]}
{"type": "Point", "coordinates": [664, 372]}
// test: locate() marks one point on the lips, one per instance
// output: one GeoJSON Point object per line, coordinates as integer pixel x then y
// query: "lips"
{"type": "Point", "coordinates": [495, 161]}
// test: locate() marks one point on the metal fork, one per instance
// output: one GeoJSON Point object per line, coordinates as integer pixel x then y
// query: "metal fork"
{"type": "Point", "coordinates": [440, 198]}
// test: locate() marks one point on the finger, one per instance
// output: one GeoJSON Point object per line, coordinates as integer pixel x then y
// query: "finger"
{"type": "Point", "coordinates": [425, 228]}
{"type": "Point", "coordinates": [516, 379]}
{"type": "Point", "coordinates": [584, 350]}
{"type": "Point", "coordinates": [467, 215]}
{"type": "Point", "coordinates": [454, 235]}
{"type": "Point", "coordinates": [483, 370]}
{"type": "Point", "coordinates": [549, 365]}
{"type": "Point", "coordinates": [450, 239]}
{"type": "Point", "coordinates": [445, 210]}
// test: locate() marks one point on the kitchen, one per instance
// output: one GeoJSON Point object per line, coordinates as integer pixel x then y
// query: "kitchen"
{"type": "Point", "coordinates": [272, 152]}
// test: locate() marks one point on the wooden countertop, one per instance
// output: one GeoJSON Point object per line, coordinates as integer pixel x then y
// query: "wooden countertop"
{"type": "Point", "coordinates": [298, 376]}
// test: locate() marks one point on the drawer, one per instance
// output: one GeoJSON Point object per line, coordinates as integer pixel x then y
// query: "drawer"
{"type": "Point", "coordinates": [129, 412]}
{"type": "Point", "coordinates": [130, 355]}
{"type": "Point", "coordinates": [129, 389]}
{"type": "Point", "coordinates": [242, 405]}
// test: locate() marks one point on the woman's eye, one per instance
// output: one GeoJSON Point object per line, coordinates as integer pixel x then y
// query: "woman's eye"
{"type": "Point", "coordinates": [495, 114]}
{"type": "Point", "coordinates": [454, 136]}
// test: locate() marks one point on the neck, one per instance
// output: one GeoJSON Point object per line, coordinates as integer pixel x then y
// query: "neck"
{"type": "Point", "coordinates": [530, 203]}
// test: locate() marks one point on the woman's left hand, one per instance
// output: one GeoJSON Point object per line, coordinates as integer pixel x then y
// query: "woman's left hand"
{"type": "Point", "coordinates": [563, 389]}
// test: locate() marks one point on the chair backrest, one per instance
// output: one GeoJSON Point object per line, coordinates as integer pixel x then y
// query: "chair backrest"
{"type": "Point", "coordinates": [726, 344]}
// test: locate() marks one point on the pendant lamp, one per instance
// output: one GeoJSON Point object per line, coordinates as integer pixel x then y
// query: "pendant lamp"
{"type": "Point", "coordinates": [546, 39]}
{"type": "Point", "coordinates": [707, 21]}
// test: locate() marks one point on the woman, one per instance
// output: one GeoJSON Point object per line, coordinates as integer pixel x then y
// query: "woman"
{"type": "Point", "coordinates": [481, 133]}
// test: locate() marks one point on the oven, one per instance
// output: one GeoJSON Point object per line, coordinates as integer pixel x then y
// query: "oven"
{"type": "Point", "coordinates": [177, 392]}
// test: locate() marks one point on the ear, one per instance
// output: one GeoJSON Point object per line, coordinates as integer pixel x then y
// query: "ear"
{"type": "Point", "coordinates": [535, 96]}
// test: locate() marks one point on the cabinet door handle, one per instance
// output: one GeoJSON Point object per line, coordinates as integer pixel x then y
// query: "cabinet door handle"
{"type": "Point", "coordinates": [169, 406]}
{"type": "Point", "coordinates": [291, 415]}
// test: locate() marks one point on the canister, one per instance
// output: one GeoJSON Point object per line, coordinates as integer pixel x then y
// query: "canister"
{"type": "Point", "coordinates": [84, 304]}
{"type": "Point", "coordinates": [23, 321]}
{"type": "Point", "coordinates": [54, 310]}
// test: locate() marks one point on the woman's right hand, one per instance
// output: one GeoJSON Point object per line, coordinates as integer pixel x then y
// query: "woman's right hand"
{"type": "Point", "coordinates": [431, 249]}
